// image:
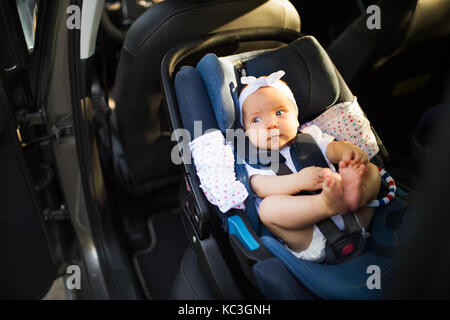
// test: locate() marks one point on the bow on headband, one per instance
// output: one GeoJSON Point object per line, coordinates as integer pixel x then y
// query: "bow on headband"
{"type": "Point", "coordinates": [253, 84]}
{"type": "Point", "coordinates": [263, 81]}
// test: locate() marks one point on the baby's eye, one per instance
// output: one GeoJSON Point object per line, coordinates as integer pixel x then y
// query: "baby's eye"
{"type": "Point", "coordinates": [280, 113]}
{"type": "Point", "coordinates": [257, 120]}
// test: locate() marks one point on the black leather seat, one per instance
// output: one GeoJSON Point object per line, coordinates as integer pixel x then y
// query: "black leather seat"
{"type": "Point", "coordinates": [403, 24]}
{"type": "Point", "coordinates": [142, 126]}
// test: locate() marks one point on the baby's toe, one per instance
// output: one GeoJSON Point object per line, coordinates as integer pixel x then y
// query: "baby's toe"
{"type": "Point", "coordinates": [343, 164]}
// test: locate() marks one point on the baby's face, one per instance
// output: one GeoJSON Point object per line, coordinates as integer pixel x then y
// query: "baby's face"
{"type": "Point", "coordinates": [270, 118]}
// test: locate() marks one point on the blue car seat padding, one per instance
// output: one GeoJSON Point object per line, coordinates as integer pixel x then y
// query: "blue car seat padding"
{"type": "Point", "coordinates": [193, 101]}
{"type": "Point", "coordinates": [283, 286]}
{"type": "Point", "coordinates": [237, 227]}
{"type": "Point", "coordinates": [209, 93]}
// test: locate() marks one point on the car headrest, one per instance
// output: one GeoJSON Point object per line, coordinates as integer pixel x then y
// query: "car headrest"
{"type": "Point", "coordinates": [310, 74]}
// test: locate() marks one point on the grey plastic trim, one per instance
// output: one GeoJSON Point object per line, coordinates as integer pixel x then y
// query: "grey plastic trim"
{"type": "Point", "coordinates": [91, 15]}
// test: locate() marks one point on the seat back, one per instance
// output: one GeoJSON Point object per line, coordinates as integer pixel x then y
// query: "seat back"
{"type": "Point", "coordinates": [137, 91]}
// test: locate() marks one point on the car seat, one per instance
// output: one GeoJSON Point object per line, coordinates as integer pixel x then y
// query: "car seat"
{"type": "Point", "coordinates": [141, 137]}
{"type": "Point", "coordinates": [208, 93]}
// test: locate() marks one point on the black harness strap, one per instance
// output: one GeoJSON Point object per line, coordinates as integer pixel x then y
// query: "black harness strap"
{"type": "Point", "coordinates": [283, 169]}
{"type": "Point", "coordinates": [308, 152]}
{"type": "Point", "coordinates": [351, 225]}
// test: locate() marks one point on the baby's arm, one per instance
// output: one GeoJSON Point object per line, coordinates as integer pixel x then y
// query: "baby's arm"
{"type": "Point", "coordinates": [307, 179]}
{"type": "Point", "coordinates": [343, 150]}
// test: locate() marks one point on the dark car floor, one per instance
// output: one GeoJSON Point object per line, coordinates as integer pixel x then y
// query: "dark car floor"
{"type": "Point", "coordinates": [158, 264]}
{"type": "Point", "coordinates": [155, 237]}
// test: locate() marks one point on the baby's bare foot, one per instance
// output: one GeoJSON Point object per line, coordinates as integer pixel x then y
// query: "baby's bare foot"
{"type": "Point", "coordinates": [362, 168]}
{"type": "Point", "coordinates": [333, 192]}
{"type": "Point", "coordinates": [351, 182]}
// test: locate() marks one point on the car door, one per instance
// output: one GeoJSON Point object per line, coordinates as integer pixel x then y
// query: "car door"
{"type": "Point", "coordinates": [28, 263]}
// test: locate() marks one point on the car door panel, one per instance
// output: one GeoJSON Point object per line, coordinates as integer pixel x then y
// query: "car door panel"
{"type": "Point", "coordinates": [26, 260]}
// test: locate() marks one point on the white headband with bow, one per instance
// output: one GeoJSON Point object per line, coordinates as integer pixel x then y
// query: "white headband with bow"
{"type": "Point", "coordinates": [253, 84]}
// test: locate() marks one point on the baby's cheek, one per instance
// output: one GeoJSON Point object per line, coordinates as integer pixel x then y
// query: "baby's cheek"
{"type": "Point", "coordinates": [257, 138]}
{"type": "Point", "coordinates": [293, 130]}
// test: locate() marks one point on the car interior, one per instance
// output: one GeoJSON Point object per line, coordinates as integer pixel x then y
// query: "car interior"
{"type": "Point", "coordinates": [174, 239]}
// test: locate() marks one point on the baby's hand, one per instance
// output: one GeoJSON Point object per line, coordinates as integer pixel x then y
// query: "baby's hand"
{"type": "Point", "coordinates": [354, 155]}
{"type": "Point", "coordinates": [311, 178]}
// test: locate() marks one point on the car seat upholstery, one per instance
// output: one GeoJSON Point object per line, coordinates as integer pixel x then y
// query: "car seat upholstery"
{"type": "Point", "coordinates": [142, 127]}
{"type": "Point", "coordinates": [403, 24]}
{"type": "Point", "coordinates": [316, 84]}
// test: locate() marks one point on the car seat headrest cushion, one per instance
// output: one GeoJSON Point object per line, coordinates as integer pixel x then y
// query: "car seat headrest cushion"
{"type": "Point", "coordinates": [220, 81]}
{"type": "Point", "coordinates": [309, 73]}
{"type": "Point", "coordinates": [193, 101]}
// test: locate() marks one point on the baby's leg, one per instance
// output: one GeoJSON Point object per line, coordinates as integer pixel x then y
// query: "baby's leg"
{"type": "Point", "coordinates": [287, 217]}
{"type": "Point", "coordinates": [291, 218]}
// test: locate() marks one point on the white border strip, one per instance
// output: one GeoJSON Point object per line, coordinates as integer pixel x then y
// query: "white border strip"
{"type": "Point", "coordinates": [90, 21]}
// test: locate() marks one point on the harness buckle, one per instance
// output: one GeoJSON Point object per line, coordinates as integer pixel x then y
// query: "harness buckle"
{"type": "Point", "coordinates": [348, 249]}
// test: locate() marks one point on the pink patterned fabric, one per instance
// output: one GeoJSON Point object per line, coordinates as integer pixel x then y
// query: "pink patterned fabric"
{"type": "Point", "coordinates": [346, 121]}
{"type": "Point", "coordinates": [214, 162]}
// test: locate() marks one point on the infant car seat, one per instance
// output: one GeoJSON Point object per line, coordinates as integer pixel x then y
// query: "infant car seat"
{"type": "Point", "coordinates": [208, 93]}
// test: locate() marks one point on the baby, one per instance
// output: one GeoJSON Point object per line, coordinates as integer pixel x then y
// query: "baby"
{"type": "Point", "coordinates": [269, 116]}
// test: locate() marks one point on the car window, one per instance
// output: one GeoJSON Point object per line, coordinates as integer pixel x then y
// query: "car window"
{"type": "Point", "coordinates": [28, 13]}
